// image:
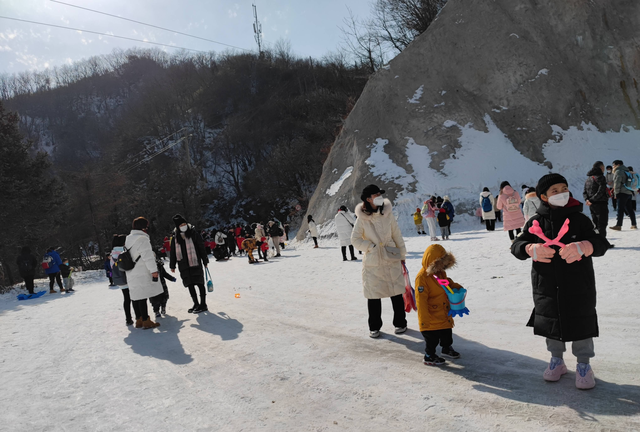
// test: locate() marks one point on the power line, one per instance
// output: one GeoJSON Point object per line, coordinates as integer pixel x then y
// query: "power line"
{"type": "Point", "coordinates": [102, 34]}
{"type": "Point", "coordinates": [150, 25]}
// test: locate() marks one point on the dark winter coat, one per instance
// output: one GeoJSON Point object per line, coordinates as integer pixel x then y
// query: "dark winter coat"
{"type": "Point", "coordinates": [443, 218]}
{"type": "Point", "coordinates": [189, 275]}
{"type": "Point", "coordinates": [451, 212]}
{"type": "Point", "coordinates": [564, 295]}
{"type": "Point", "coordinates": [275, 230]}
{"type": "Point", "coordinates": [65, 270]}
{"type": "Point", "coordinates": [27, 264]}
{"type": "Point", "coordinates": [595, 188]}
{"type": "Point", "coordinates": [162, 272]}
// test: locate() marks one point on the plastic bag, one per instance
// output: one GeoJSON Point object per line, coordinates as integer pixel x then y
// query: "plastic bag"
{"type": "Point", "coordinates": [409, 295]}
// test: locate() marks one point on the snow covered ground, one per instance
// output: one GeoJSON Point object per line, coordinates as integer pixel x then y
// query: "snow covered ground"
{"type": "Point", "coordinates": [292, 353]}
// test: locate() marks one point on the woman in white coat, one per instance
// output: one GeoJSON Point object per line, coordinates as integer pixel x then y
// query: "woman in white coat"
{"type": "Point", "coordinates": [488, 207]}
{"type": "Point", "coordinates": [382, 277]}
{"type": "Point", "coordinates": [313, 230]}
{"type": "Point", "coordinates": [143, 278]}
{"type": "Point", "coordinates": [344, 224]}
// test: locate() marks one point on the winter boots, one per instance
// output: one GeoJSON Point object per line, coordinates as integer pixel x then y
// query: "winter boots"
{"type": "Point", "coordinates": [139, 323]}
{"type": "Point", "coordinates": [148, 324]}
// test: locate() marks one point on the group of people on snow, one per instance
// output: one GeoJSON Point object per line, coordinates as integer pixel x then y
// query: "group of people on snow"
{"type": "Point", "coordinates": [435, 209]}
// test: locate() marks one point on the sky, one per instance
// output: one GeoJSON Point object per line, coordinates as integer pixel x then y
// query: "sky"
{"type": "Point", "coordinates": [311, 27]}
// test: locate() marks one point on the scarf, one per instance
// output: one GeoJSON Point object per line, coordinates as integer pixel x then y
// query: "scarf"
{"type": "Point", "coordinates": [192, 255]}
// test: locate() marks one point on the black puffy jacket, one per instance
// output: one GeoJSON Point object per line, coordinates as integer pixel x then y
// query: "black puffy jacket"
{"type": "Point", "coordinates": [564, 295]}
{"type": "Point", "coordinates": [595, 188]}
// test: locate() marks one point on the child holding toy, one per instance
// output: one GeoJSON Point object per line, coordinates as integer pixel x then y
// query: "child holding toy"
{"type": "Point", "coordinates": [433, 304]}
{"type": "Point", "coordinates": [561, 240]}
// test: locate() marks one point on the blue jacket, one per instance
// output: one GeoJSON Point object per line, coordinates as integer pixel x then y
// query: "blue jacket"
{"type": "Point", "coordinates": [449, 208]}
{"type": "Point", "coordinates": [56, 262]}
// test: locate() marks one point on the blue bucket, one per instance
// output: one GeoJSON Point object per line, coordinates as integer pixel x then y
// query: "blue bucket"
{"type": "Point", "coordinates": [456, 301]}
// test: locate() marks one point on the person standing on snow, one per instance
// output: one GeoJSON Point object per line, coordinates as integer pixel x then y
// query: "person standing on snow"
{"type": "Point", "coordinates": [142, 280]}
{"type": "Point", "coordinates": [596, 196]}
{"type": "Point", "coordinates": [313, 230]}
{"type": "Point", "coordinates": [488, 209]}
{"type": "Point", "coordinates": [27, 264]}
{"type": "Point", "coordinates": [260, 236]}
{"type": "Point", "coordinates": [429, 213]}
{"type": "Point", "coordinates": [417, 220]}
{"type": "Point", "coordinates": [531, 204]}
{"type": "Point", "coordinates": [624, 196]}
{"type": "Point", "coordinates": [564, 288]}
{"type": "Point", "coordinates": [509, 204]}
{"type": "Point", "coordinates": [187, 250]}
{"type": "Point", "coordinates": [377, 234]}
{"type": "Point", "coordinates": [276, 233]}
{"type": "Point", "coordinates": [344, 224]}
{"type": "Point", "coordinates": [52, 258]}
{"type": "Point", "coordinates": [120, 278]}
{"type": "Point", "coordinates": [609, 177]}
{"type": "Point", "coordinates": [635, 187]}
{"type": "Point", "coordinates": [451, 212]}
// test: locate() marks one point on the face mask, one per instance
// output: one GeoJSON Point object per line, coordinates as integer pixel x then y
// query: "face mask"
{"type": "Point", "coordinates": [378, 201]}
{"type": "Point", "coordinates": [184, 228]}
{"type": "Point", "coordinates": [609, 171]}
{"type": "Point", "coordinates": [559, 200]}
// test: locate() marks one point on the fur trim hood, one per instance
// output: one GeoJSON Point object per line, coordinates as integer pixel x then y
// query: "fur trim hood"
{"type": "Point", "coordinates": [387, 210]}
{"type": "Point", "coordinates": [531, 195]}
{"type": "Point", "coordinates": [436, 260]}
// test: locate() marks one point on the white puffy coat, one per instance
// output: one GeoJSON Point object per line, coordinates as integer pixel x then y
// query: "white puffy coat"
{"type": "Point", "coordinates": [139, 279]}
{"type": "Point", "coordinates": [531, 205]}
{"type": "Point", "coordinates": [381, 277]}
{"type": "Point", "coordinates": [344, 224]}
{"type": "Point", "coordinates": [492, 214]}
{"type": "Point", "coordinates": [313, 229]}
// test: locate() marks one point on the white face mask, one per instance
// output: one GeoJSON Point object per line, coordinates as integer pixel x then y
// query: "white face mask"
{"type": "Point", "coordinates": [559, 200]}
{"type": "Point", "coordinates": [184, 228]}
{"type": "Point", "coordinates": [378, 201]}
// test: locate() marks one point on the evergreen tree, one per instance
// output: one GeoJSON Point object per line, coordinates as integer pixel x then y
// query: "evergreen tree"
{"type": "Point", "coordinates": [30, 197]}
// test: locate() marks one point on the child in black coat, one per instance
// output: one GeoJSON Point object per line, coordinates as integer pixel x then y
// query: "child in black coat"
{"type": "Point", "coordinates": [443, 222]}
{"type": "Point", "coordinates": [159, 302]}
{"type": "Point", "coordinates": [564, 287]}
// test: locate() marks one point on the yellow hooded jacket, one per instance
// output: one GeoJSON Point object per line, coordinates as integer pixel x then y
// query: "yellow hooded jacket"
{"type": "Point", "coordinates": [417, 218]}
{"type": "Point", "coordinates": [431, 300]}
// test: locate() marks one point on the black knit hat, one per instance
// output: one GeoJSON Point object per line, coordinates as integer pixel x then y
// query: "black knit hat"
{"type": "Point", "coordinates": [179, 220]}
{"type": "Point", "coordinates": [547, 181]}
{"type": "Point", "coordinates": [370, 190]}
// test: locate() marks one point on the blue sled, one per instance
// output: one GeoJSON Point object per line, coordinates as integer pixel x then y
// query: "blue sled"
{"type": "Point", "coordinates": [460, 312]}
{"type": "Point", "coordinates": [30, 296]}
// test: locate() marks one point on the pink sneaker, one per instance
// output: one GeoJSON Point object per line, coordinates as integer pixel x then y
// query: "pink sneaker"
{"type": "Point", "coordinates": [555, 370]}
{"type": "Point", "coordinates": [585, 378]}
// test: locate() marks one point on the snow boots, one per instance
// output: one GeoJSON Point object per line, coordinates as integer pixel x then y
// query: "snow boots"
{"type": "Point", "coordinates": [148, 324]}
{"type": "Point", "coordinates": [139, 323]}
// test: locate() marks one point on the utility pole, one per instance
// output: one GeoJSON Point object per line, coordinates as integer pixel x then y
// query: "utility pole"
{"type": "Point", "coordinates": [257, 29]}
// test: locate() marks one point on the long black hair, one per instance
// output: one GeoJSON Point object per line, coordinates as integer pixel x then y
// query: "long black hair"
{"type": "Point", "coordinates": [309, 218]}
{"type": "Point", "coordinates": [367, 209]}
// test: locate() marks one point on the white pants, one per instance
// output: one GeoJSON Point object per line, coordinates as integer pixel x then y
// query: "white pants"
{"type": "Point", "coordinates": [431, 223]}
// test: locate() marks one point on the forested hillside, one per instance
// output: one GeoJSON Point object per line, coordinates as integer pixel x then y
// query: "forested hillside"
{"type": "Point", "coordinates": [219, 138]}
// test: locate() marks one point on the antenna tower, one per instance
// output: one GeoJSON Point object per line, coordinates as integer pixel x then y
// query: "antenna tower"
{"type": "Point", "coordinates": [257, 29]}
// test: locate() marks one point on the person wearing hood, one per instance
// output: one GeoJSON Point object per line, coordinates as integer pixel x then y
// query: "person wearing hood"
{"type": "Point", "coordinates": [377, 234]}
{"type": "Point", "coordinates": [531, 204]}
{"type": "Point", "coordinates": [53, 261]}
{"type": "Point", "coordinates": [429, 214]}
{"type": "Point", "coordinates": [596, 197]}
{"type": "Point", "coordinates": [344, 224]}
{"type": "Point", "coordinates": [417, 220]}
{"type": "Point", "coordinates": [488, 209]}
{"type": "Point", "coordinates": [451, 211]}
{"type": "Point", "coordinates": [433, 304]}
{"type": "Point", "coordinates": [27, 265]}
{"type": "Point", "coordinates": [623, 195]}
{"type": "Point", "coordinates": [563, 279]}
{"type": "Point", "coordinates": [313, 230]}
{"type": "Point", "coordinates": [509, 204]}
{"type": "Point", "coordinates": [142, 280]}
{"type": "Point", "coordinates": [187, 251]}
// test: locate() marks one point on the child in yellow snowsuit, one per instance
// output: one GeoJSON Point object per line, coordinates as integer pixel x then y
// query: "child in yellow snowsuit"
{"type": "Point", "coordinates": [417, 219]}
{"type": "Point", "coordinates": [433, 304]}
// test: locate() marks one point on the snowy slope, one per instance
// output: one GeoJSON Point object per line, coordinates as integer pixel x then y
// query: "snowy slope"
{"type": "Point", "coordinates": [293, 353]}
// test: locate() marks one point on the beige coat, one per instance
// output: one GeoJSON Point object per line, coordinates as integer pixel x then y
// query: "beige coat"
{"type": "Point", "coordinates": [381, 277]}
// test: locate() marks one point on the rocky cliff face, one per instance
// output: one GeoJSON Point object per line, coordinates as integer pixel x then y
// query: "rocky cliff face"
{"type": "Point", "coordinates": [494, 90]}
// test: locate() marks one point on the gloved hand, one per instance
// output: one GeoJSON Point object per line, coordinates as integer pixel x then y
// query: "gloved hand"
{"type": "Point", "coordinates": [539, 252]}
{"type": "Point", "coordinates": [573, 252]}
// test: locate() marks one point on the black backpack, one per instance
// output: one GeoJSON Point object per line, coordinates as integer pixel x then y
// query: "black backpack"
{"type": "Point", "coordinates": [125, 261]}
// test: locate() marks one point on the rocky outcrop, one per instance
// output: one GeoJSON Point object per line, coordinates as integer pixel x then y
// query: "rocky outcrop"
{"type": "Point", "coordinates": [494, 90]}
